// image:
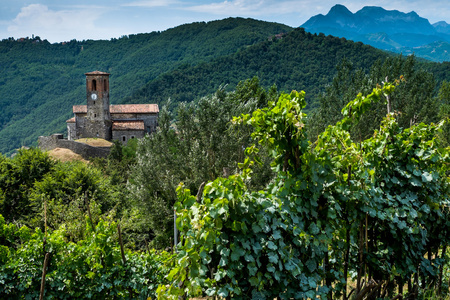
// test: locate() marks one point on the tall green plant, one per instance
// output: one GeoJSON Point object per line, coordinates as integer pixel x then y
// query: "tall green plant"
{"type": "Point", "coordinates": [200, 146]}
{"type": "Point", "coordinates": [92, 268]}
{"type": "Point", "coordinates": [336, 208]}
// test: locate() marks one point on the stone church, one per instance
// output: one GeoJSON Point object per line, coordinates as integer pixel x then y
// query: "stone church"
{"type": "Point", "coordinates": [99, 119]}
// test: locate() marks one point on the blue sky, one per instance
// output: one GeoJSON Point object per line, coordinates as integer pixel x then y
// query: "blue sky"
{"type": "Point", "coordinates": [64, 20]}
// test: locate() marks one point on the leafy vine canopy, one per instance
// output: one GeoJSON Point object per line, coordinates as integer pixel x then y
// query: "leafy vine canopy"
{"type": "Point", "coordinates": [337, 209]}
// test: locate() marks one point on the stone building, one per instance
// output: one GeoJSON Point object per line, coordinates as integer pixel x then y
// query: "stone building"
{"type": "Point", "coordinates": [99, 119]}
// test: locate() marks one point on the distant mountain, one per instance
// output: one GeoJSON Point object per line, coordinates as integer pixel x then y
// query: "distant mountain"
{"type": "Point", "coordinates": [442, 27]}
{"type": "Point", "coordinates": [437, 51]}
{"type": "Point", "coordinates": [390, 30]}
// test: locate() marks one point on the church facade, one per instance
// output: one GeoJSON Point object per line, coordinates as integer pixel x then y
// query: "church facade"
{"type": "Point", "coordinates": [99, 119]}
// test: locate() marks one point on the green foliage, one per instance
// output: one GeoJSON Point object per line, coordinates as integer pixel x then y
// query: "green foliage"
{"type": "Point", "coordinates": [70, 192]}
{"type": "Point", "coordinates": [38, 192]}
{"type": "Point", "coordinates": [414, 99]}
{"type": "Point", "coordinates": [444, 109]}
{"type": "Point", "coordinates": [335, 208]}
{"type": "Point", "coordinates": [200, 146]}
{"type": "Point", "coordinates": [299, 60]}
{"type": "Point", "coordinates": [92, 268]}
{"type": "Point", "coordinates": [17, 178]}
{"type": "Point", "coordinates": [119, 162]}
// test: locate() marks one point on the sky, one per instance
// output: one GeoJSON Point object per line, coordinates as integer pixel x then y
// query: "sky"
{"type": "Point", "coordinates": [65, 20]}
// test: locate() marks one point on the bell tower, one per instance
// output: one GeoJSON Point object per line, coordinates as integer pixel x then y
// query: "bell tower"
{"type": "Point", "coordinates": [98, 118]}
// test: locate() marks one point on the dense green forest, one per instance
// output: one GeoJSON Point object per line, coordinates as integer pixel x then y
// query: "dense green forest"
{"type": "Point", "coordinates": [41, 81]}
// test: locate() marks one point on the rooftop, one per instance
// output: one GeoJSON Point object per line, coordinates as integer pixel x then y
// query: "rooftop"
{"type": "Point", "coordinates": [128, 125]}
{"type": "Point", "coordinates": [96, 73]}
{"type": "Point", "coordinates": [134, 108]}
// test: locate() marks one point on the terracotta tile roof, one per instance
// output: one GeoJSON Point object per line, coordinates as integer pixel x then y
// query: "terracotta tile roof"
{"type": "Point", "coordinates": [123, 108]}
{"type": "Point", "coordinates": [71, 120]}
{"type": "Point", "coordinates": [128, 125]}
{"type": "Point", "coordinates": [96, 73]}
{"type": "Point", "coordinates": [134, 108]}
{"type": "Point", "coordinates": [79, 109]}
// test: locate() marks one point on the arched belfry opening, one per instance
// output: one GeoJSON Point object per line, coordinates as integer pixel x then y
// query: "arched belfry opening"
{"type": "Point", "coordinates": [94, 84]}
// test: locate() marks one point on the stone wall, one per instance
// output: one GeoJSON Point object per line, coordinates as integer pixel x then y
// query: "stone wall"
{"type": "Point", "coordinates": [51, 142]}
{"type": "Point", "coordinates": [125, 135]}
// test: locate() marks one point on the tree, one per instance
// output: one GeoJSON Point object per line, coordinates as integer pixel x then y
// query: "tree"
{"type": "Point", "coordinates": [413, 99]}
{"type": "Point", "coordinates": [444, 109]}
{"type": "Point", "coordinates": [69, 193]}
{"type": "Point", "coordinates": [17, 177]}
{"type": "Point", "coordinates": [200, 146]}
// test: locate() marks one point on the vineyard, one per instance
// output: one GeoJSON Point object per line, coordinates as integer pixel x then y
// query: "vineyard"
{"type": "Point", "coordinates": [341, 219]}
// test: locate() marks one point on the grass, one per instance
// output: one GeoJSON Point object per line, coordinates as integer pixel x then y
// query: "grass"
{"type": "Point", "coordinates": [64, 155]}
{"type": "Point", "coordinates": [96, 142]}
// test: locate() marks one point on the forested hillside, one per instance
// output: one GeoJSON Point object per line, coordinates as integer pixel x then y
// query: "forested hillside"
{"type": "Point", "coordinates": [40, 81]}
{"type": "Point", "coordinates": [298, 60]}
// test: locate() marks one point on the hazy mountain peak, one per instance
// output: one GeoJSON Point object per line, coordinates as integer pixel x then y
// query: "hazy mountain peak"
{"type": "Point", "coordinates": [371, 19]}
{"type": "Point", "coordinates": [386, 29]}
{"type": "Point", "coordinates": [442, 27]}
{"type": "Point", "coordinates": [441, 23]}
{"type": "Point", "coordinates": [367, 10]}
{"type": "Point", "coordinates": [339, 9]}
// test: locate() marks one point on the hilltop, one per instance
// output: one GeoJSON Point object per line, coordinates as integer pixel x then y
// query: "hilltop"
{"type": "Point", "coordinates": [390, 30]}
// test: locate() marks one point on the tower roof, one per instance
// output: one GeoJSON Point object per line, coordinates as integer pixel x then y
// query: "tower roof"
{"type": "Point", "coordinates": [97, 73]}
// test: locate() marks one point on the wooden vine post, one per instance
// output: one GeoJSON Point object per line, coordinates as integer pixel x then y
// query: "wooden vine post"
{"type": "Point", "coordinates": [124, 260]}
{"type": "Point", "coordinates": [121, 245]}
{"type": "Point", "coordinates": [44, 273]}
{"type": "Point", "coordinates": [47, 255]}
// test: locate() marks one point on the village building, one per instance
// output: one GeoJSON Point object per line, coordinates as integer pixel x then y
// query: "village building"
{"type": "Point", "coordinates": [99, 119]}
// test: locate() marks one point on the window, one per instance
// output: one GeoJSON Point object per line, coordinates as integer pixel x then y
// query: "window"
{"type": "Point", "coordinates": [124, 138]}
{"type": "Point", "coordinates": [94, 102]}
{"type": "Point", "coordinates": [132, 136]}
{"type": "Point", "coordinates": [94, 85]}
{"type": "Point", "coordinates": [95, 115]}
{"type": "Point", "coordinates": [105, 87]}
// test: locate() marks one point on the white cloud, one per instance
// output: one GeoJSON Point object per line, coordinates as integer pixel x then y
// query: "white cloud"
{"type": "Point", "coordinates": [152, 3]}
{"type": "Point", "coordinates": [264, 8]}
{"type": "Point", "coordinates": [53, 25]}
{"type": "Point", "coordinates": [232, 7]}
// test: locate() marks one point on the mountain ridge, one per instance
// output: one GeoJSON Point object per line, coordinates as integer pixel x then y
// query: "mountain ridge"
{"type": "Point", "coordinates": [381, 28]}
